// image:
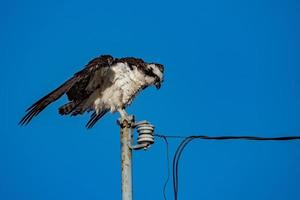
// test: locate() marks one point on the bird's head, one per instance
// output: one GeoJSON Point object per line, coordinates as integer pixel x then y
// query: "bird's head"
{"type": "Point", "coordinates": [108, 58]}
{"type": "Point", "coordinates": [156, 72]}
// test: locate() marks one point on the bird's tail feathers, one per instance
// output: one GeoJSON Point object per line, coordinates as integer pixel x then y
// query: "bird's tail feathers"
{"type": "Point", "coordinates": [67, 108]}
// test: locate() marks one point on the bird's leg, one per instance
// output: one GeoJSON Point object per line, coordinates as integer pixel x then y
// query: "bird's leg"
{"type": "Point", "coordinates": [125, 120]}
{"type": "Point", "coordinates": [123, 113]}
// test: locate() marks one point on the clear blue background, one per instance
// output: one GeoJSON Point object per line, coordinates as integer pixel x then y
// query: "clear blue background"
{"type": "Point", "coordinates": [232, 68]}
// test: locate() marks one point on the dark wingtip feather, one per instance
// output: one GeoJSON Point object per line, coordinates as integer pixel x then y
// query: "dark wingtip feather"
{"type": "Point", "coordinates": [41, 104]}
{"type": "Point", "coordinates": [31, 112]}
{"type": "Point", "coordinates": [94, 118]}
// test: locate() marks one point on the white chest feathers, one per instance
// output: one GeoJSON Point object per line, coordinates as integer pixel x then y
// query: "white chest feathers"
{"type": "Point", "coordinates": [127, 82]}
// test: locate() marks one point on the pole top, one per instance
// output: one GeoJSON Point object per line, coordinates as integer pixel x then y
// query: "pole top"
{"type": "Point", "coordinates": [126, 122]}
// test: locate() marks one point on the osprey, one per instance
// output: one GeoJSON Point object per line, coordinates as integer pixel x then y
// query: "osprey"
{"type": "Point", "coordinates": [105, 84]}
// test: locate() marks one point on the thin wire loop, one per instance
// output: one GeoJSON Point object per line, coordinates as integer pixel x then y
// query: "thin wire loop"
{"type": "Point", "coordinates": [186, 140]}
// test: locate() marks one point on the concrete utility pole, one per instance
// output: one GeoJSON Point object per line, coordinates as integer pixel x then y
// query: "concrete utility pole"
{"type": "Point", "coordinates": [126, 156]}
{"type": "Point", "coordinates": [145, 140]}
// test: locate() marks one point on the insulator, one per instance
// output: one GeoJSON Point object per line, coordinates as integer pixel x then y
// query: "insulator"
{"type": "Point", "coordinates": [145, 134]}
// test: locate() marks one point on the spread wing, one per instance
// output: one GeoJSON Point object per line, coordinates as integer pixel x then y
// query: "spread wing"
{"type": "Point", "coordinates": [78, 88]}
{"type": "Point", "coordinates": [41, 104]}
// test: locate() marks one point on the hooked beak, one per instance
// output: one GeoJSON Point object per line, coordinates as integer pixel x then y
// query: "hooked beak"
{"type": "Point", "coordinates": [158, 85]}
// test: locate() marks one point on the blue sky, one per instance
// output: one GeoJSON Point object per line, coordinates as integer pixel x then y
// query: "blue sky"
{"type": "Point", "coordinates": [231, 68]}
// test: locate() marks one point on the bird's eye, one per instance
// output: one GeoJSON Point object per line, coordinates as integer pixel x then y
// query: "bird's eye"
{"type": "Point", "coordinates": [157, 79]}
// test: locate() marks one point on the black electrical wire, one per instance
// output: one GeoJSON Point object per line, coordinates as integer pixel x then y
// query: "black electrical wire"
{"type": "Point", "coordinates": [186, 140]}
{"type": "Point", "coordinates": [176, 164]}
{"type": "Point", "coordinates": [168, 163]}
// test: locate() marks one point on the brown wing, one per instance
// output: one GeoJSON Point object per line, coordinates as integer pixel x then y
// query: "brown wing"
{"type": "Point", "coordinates": [74, 87]}
{"type": "Point", "coordinates": [79, 90]}
{"type": "Point", "coordinates": [41, 104]}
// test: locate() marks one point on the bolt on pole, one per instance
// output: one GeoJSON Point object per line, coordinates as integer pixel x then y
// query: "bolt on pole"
{"type": "Point", "coordinates": [126, 156]}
